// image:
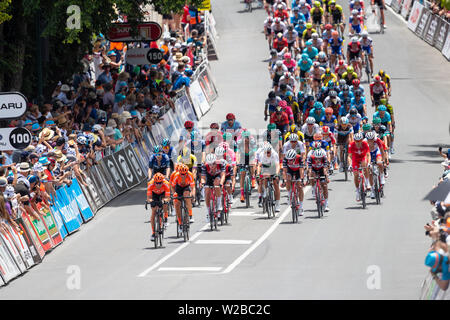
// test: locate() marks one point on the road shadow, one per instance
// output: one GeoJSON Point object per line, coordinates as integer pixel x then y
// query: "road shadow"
{"type": "Point", "coordinates": [436, 146]}
{"type": "Point", "coordinates": [355, 208]}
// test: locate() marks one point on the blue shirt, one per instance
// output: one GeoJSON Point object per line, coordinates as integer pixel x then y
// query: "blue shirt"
{"type": "Point", "coordinates": [385, 119]}
{"type": "Point", "coordinates": [359, 105]}
{"type": "Point", "coordinates": [153, 162]}
{"type": "Point", "coordinates": [104, 78]}
{"type": "Point", "coordinates": [341, 95]}
{"type": "Point", "coordinates": [311, 53]}
{"type": "Point", "coordinates": [183, 80]}
{"type": "Point", "coordinates": [316, 116]}
{"type": "Point", "coordinates": [330, 123]}
{"type": "Point", "coordinates": [225, 126]}
{"type": "Point", "coordinates": [305, 66]}
{"type": "Point", "coordinates": [294, 20]}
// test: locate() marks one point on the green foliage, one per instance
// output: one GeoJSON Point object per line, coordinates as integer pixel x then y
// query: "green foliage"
{"type": "Point", "coordinates": [4, 8]}
{"type": "Point", "coordinates": [176, 6]}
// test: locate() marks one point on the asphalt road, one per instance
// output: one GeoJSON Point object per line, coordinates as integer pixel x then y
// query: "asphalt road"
{"type": "Point", "coordinates": [335, 257]}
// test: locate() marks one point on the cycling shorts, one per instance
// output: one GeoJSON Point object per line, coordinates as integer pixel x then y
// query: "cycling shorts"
{"type": "Point", "coordinates": [357, 28]}
{"type": "Point", "coordinates": [159, 170]}
{"type": "Point", "coordinates": [294, 174]}
{"type": "Point", "coordinates": [379, 3]}
{"type": "Point", "coordinates": [376, 156]}
{"type": "Point", "coordinates": [179, 190]}
{"type": "Point", "coordinates": [210, 179]}
{"type": "Point", "coordinates": [356, 162]}
{"type": "Point", "coordinates": [337, 50]}
{"type": "Point", "coordinates": [319, 172]}
{"type": "Point", "coordinates": [367, 49]}
{"type": "Point", "coordinates": [341, 139]}
{"type": "Point", "coordinates": [156, 200]}
{"type": "Point", "coordinates": [317, 19]}
{"type": "Point", "coordinates": [353, 55]}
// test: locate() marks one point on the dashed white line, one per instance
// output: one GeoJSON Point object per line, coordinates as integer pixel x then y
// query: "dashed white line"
{"type": "Point", "coordinates": [223, 241]}
{"type": "Point", "coordinates": [210, 269]}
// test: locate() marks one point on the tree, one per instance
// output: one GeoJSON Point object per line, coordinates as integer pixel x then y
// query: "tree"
{"type": "Point", "coordinates": [176, 6]}
{"type": "Point", "coordinates": [4, 6]}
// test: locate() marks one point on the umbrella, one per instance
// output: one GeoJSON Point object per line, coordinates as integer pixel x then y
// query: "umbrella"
{"type": "Point", "coordinates": [440, 192]}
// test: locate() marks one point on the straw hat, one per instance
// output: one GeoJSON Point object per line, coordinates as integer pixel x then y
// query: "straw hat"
{"type": "Point", "coordinates": [62, 120]}
{"type": "Point", "coordinates": [125, 115]}
{"type": "Point", "coordinates": [46, 134]}
{"type": "Point", "coordinates": [59, 155]}
{"type": "Point", "coordinates": [178, 56]}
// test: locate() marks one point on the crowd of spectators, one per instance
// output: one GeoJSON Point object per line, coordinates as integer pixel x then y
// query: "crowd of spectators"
{"type": "Point", "coordinates": [439, 230]}
{"type": "Point", "coordinates": [441, 8]}
{"type": "Point", "coordinates": [105, 106]}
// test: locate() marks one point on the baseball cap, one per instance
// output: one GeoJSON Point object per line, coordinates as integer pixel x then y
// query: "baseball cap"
{"type": "Point", "coordinates": [3, 182]}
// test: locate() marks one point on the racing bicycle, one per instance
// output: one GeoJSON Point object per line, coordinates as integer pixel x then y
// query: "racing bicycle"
{"type": "Point", "coordinates": [159, 223]}
{"type": "Point", "coordinates": [269, 197]}
{"type": "Point", "coordinates": [185, 224]}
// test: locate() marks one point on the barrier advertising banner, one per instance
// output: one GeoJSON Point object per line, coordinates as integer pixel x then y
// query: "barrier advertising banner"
{"type": "Point", "coordinates": [116, 176]}
{"type": "Point", "coordinates": [59, 222]}
{"type": "Point", "coordinates": [430, 30]}
{"type": "Point", "coordinates": [169, 126]}
{"type": "Point", "coordinates": [396, 5]}
{"type": "Point", "coordinates": [93, 192]}
{"type": "Point", "coordinates": [8, 241]}
{"type": "Point", "coordinates": [21, 245]}
{"type": "Point", "coordinates": [415, 15]}
{"type": "Point", "coordinates": [8, 267]}
{"type": "Point", "coordinates": [198, 98]}
{"type": "Point", "coordinates": [441, 34]}
{"type": "Point", "coordinates": [75, 192]}
{"type": "Point", "coordinates": [41, 232]}
{"type": "Point", "coordinates": [446, 48]}
{"type": "Point", "coordinates": [423, 22]}
{"type": "Point", "coordinates": [134, 164]}
{"type": "Point", "coordinates": [405, 8]}
{"type": "Point", "coordinates": [51, 227]}
{"type": "Point", "coordinates": [125, 168]}
{"type": "Point", "coordinates": [207, 86]}
{"type": "Point", "coordinates": [70, 218]}
{"type": "Point", "coordinates": [31, 239]}
{"type": "Point", "coordinates": [105, 184]}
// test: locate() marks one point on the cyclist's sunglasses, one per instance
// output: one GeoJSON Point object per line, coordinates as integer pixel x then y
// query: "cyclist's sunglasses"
{"type": "Point", "coordinates": [159, 182]}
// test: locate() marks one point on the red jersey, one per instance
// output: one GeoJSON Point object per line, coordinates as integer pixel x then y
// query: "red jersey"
{"type": "Point", "coordinates": [358, 153]}
{"type": "Point", "coordinates": [153, 188]}
{"type": "Point", "coordinates": [280, 44]}
{"type": "Point", "coordinates": [283, 120]}
{"type": "Point", "coordinates": [377, 88]}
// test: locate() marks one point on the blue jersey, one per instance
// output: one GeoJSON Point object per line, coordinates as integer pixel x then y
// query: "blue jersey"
{"type": "Point", "coordinates": [154, 165]}
{"type": "Point", "coordinates": [300, 28]}
{"type": "Point", "coordinates": [172, 154]}
{"type": "Point", "coordinates": [329, 123]}
{"type": "Point", "coordinates": [305, 66]}
{"type": "Point", "coordinates": [294, 19]}
{"type": "Point", "coordinates": [386, 119]}
{"type": "Point", "coordinates": [316, 116]}
{"type": "Point", "coordinates": [360, 88]}
{"type": "Point", "coordinates": [335, 47]}
{"type": "Point", "coordinates": [225, 127]}
{"type": "Point", "coordinates": [342, 97]}
{"type": "Point", "coordinates": [311, 53]}
{"type": "Point", "coordinates": [359, 105]}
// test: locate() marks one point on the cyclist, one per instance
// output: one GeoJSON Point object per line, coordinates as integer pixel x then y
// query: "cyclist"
{"type": "Point", "coordinates": [386, 79]}
{"type": "Point", "coordinates": [380, 130]}
{"type": "Point", "coordinates": [354, 118]}
{"type": "Point", "coordinates": [268, 165]}
{"type": "Point", "coordinates": [349, 75]}
{"type": "Point", "coordinates": [281, 119]}
{"type": "Point", "coordinates": [290, 63]}
{"type": "Point", "coordinates": [186, 132]}
{"type": "Point", "coordinates": [329, 120]}
{"type": "Point", "coordinates": [294, 129]}
{"type": "Point", "coordinates": [271, 104]}
{"type": "Point", "coordinates": [280, 42]}
{"type": "Point", "coordinates": [377, 158]}
{"type": "Point", "coordinates": [268, 30]}
{"type": "Point", "coordinates": [328, 76]}
{"type": "Point", "coordinates": [159, 163]}
{"type": "Point", "coordinates": [273, 136]}
{"type": "Point", "coordinates": [317, 112]}
{"type": "Point", "coordinates": [277, 72]}
{"type": "Point", "coordinates": [231, 125]}
{"type": "Point", "coordinates": [316, 76]}
{"type": "Point", "coordinates": [345, 91]}
{"type": "Point", "coordinates": [333, 102]}
{"type": "Point", "coordinates": [305, 9]}
{"type": "Point", "coordinates": [294, 144]}
{"type": "Point", "coordinates": [246, 157]}
{"type": "Point", "coordinates": [356, 22]}
{"type": "Point", "coordinates": [281, 13]}
{"type": "Point", "coordinates": [304, 65]}
{"type": "Point", "coordinates": [356, 86]}
{"type": "Point", "coordinates": [296, 16]}
{"type": "Point", "coordinates": [337, 14]}
{"type": "Point", "coordinates": [329, 138]}
{"type": "Point", "coordinates": [169, 151]}
{"type": "Point", "coordinates": [366, 44]}
{"type": "Point", "coordinates": [229, 159]}
{"type": "Point", "coordinates": [213, 176]}
{"type": "Point", "coordinates": [307, 34]}
{"type": "Point", "coordinates": [357, 5]}
{"type": "Point", "coordinates": [377, 90]}
{"type": "Point", "coordinates": [277, 27]}
{"type": "Point", "coordinates": [380, 4]}
{"type": "Point", "coordinates": [311, 51]}
{"type": "Point", "coordinates": [326, 36]}
{"type": "Point", "coordinates": [360, 152]}
{"type": "Point", "coordinates": [317, 42]}
{"type": "Point", "coordinates": [291, 35]}
{"type": "Point", "coordinates": [335, 43]}
{"type": "Point", "coordinates": [354, 51]}
{"type": "Point", "coordinates": [293, 104]}
{"type": "Point", "coordinates": [317, 14]}
{"type": "Point", "coordinates": [344, 132]}
{"type": "Point", "coordinates": [213, 138]}
{"type": "Point", "coordinates": [188, 159]}
{"type": "Point", "coordinates": [318, 169]}
{"type": "Point", "coordinates": [359, 102]}
{"type": "Point", "coordinates": [183, 183]}
{"type": "Point", "coordinates": [385, 120]}
{"type": "Point", "coordinates": [197, 147]}
{"type": "Point", "coordinates": [288, 80]}
{"type": "Point", "coordinates": [309, 129]}
{"type": "Point", "coordinates": [390, 110]}
{"type": "Point", "coordinates": [340, 69]}
{"type": "Point", "coordinates": [293, 170]}
{"type": "Point", "coordinates": [322, 60]}
{"type": "Point", "coordinates": [158, 190]}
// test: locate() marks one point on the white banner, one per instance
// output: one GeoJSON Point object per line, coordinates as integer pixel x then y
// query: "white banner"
{"type": "Point", "coordinates": [414, 17]}
{"type": "Point", "coordinates": [8, 267]}
{"type": "Point", "coordinates": [137, 56]}
{"type": "Point", "coordinates": [169, 126]}
{"type": "Point", "coordinates": [198, 98]}
{"type": "Point", "coordinates": [12, 105]}
{"type": "Point", "coordinates": [446, 48]}
{"type": "Point", "coordinates": [13, 251]}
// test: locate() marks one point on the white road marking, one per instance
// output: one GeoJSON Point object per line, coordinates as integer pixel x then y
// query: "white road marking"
{"type": "Point", "coordinates": [174, 252]}
{"type": "Point", "coordinates": [241, 214]}
{"type": "Point", "coordinates": [191, 269]}
{"type": "Point", "coordinates": [223, 241]}
{"type": "Point", "coordinates": [261, 239]}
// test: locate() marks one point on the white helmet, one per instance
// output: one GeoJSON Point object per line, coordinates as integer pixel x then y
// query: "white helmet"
{"type": "Point", "coordinates": [211, 158]}
{"type": "Point", "coordinates": [354, 11]}
{"type": "Point", "coordinates": [359, 136]}
{"type": "Point", "coordinates": [293, 137]}
{"type": "Point", "coordinates": [291, 154]}
{"type": "Point", "coordinates": [370, 135]}
{"type": "Point", "coordinates": [220, 151]}
{"type": "Point", "coordinates": [268, 148]}
{"type": "Point", "coordinates": [364, 33]}
{"type": "Point", "coordinates": [279, 63]}
{"type": "Point", "coordinates": [315, 35]}
{"type": "Point", "coordinates": [310, 120]}
{"type": "Point", "coordinates": [319, 153]}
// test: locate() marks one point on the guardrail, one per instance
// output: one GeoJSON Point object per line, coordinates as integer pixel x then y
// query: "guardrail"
{"type": "Point", "coordinates": [428, 26]}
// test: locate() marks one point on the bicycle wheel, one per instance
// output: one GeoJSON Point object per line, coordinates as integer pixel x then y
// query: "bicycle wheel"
{"type": "Point", "coordinates": [211, 216]}
{"type": "Point", "coordinates": [178, 227]}
{"type": "Point", "coordinates": [247, 188]}
{"type": "Point", "coordinates": [294, 207]}
{"type": "Point", "coordinates": [363, 193]}
{"type": "Point", "coordinates": [185, 225]}
{"type": "Point", "coordinates": [272, 201]}
{"type": "Point", "coordinates": [318, 201]}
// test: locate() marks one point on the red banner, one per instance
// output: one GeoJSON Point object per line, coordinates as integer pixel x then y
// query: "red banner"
{"type": "Point", "coordinates": [121, 32]}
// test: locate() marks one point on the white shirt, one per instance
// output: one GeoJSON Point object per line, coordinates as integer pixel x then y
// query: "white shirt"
{"type": "Point", "coordinates": [299, 147]}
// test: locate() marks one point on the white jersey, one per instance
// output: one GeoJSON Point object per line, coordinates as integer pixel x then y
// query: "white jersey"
{"type": "Point", "coordinates": [288, 81]}
{"type": "Point", "coordinates": [310, 133]}
{"type": "Point", "coordinates": [328, 103]}
{"type": "Point", "coordinates": [278, 28]}
{"type": "Point", "coordinates": [292, 37]}
{"type": "Point", "coordinates": [268, 23]}
{"type": "Point", "coordinates": [279, 71]}
{"type": "Point", "coordinates": [299, 147]}
{"type": "Point", "coordinates": [269, 163]}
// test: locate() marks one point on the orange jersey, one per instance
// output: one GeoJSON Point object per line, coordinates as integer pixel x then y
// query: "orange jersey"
{"type": "Point", "coordinates": [183, 181]}
{"type": "Point", "coordinates": [153, 188]}
{"type": "Point", "coordinates": [172, 175]}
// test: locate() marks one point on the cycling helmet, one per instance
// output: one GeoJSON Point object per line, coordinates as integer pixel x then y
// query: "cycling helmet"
{"type": "Point", "coordinates": [350, 69]}
{"type": "Point", "coordinates": [359, 136]}
{"type": "Point", "coordinates": [214, 125]}
{"type": "Point", "coordinates": [325, 130]}
{"type": "Point", "coordinates": [287, 55]}
{"type": "Point", "coordinates": [309, 42]}
{"type": "Point", "coordinates": [279, 35]}
{"type": "Point", "coordinates": [291, 154]}
{"type": "Point", "coordinates": [316, 64]}
{"type": "Point", "coordinates": [366, 127]}
{"type": "Point", "coordinates": [305, 56]}
{"type": "Point", "coordinates": [309, 25]}
{"type": "Point", "coordinates": [245, 134]}
{"type": "Point", "coordinates": [332, 2]}
{"type": "Point", "coordinates": [279, 63]}
{"type": "Point", "coordinates": [341, 62]}
{"type": "Point", "coordinates": [183, 169]}
{"type": "Point", "coordinates": [357, 93]}
{"type": "Point", "coordinates": [316, 145]}
{"type": "Point", "coordinates": [272, 95]}
{"type": "Point", "coordinates": [230, 116]}
{"type": "Point", "coordinates": [211, 158]}
{"type": "Point", "coordinates": [315, 36]}
{"type": "Point", "coordinates": [344, 120]}
{"type": "Point", "coordinates": [188, 124]}
{"type": "Point", "coordinates": [364, 34]}
{"type": "Point", "coordinates": [382, 108]}
{"type": "Point", "coordinates": [381, 72]}
{"type": "Point", "coordinates": [273, 52]}
{"type": "Point", "coordinates": [318, 105]}
{"type": "Point", "coordinates": [383, 101]}
{"type": "Point", "coordinates": [345, 88]}
{"type": "Point", "coordinates": [356, 82]}
{"type": "Point", "coordinates": [227, 136]}
{"type": "Point", "coordinates": [354, 40]}
{"type": "Point", "coordinates": [353, 111]}
{"type": "Point", "coordinates": [293, 137]}
{"type": "Point", "coordinates": [354, 11]}
{"type": "Point", "coordinates": [327, 71]}
{"type": "Point", "coordinates": [342, 82]}
{"type": "Point", "coordinates": [377, 78]}
{"type": "Point", "coordinates": [310, 120]}
{"type": "Point", "coordinates": [328, 26]}
{"type": "Point", "coordinates": [277, 20]}
{"type": "Point", "coordinates": [328, 110]}
{"type": "Point", "coordinates": [376, 120]}
{"type": "Point", "coordinates": [220, 151]}
{"type": "Point", "coordinates": [158, 177]}
{"type": "Point", "coordinates": [333, 94]}
{"type": "Point", "coordinates": [322, 55]}
{"type": "Point", "coordinates": [166, 142]}
{"type": "Point", "coordinates": [271, 126]}
{"type": "Point", "coordinates": [331, 84]}
{"type": "Point", "coordinates": [195, 135]}
{"type": "Point", "coordinates": [267, 148]}
{"type": "Point", "coordinates": [317, 4]}
{"type": "Point", "coordinates": [156, 149]}
{"type": "Point", "coordinates": [320, 153]}
{"type": "Point", "coordinates": [82, 140]}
